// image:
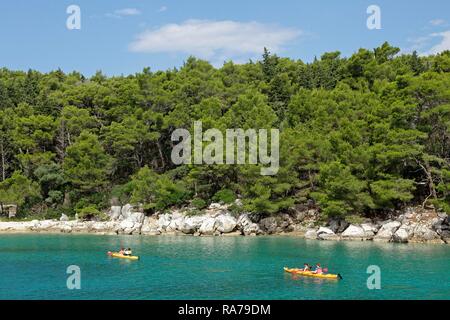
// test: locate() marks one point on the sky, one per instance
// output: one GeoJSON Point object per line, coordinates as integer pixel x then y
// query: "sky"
{"type": "Point", "coordinates": [122, 37]}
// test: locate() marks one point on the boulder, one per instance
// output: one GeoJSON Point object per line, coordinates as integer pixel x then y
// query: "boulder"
{"type": "Point", "coordinates": [164, 222]}
{"type": "Point", "coordinates": [192, 224]}
{"type": "Point", "coordinates": [17, 226]}
{"type": "Point", "coordinates": [208, 227]}
{"type": "Point", "coordinates": [64, 218]}
{"type": "Point", "coordinates": [422, 233]}
{"type": "Point", "coordinates": [175, 224]}
{"type": "Point", "coordinates": [311, 234]}
{"type": "Point", "coordinates": [387, 231]}
{"type": "Point", "coordinates": [323, 230]}
{"type": "Point", "coordinates": [46, 225]}
{"type": "Point", "coordinates": [114, 212]}
{"type": "Point", "coordinates": [226, 223]}
{"type": "Point", "coordinates": [269, 225]}
{"type": "Point", "coordinates": [247, 226]}
{"type": "Point", "coordinates": [150, 226]}
{"type": "Point", "coordinates": [337, 225]}
{"type": "Point", "coordinates": [126, 211]}
{"type": "Point", "coordinates": [354, 232]}
{"type": "Point", "coordinates": [65, 228]}
{"type": "Point", "coordinates": [126, 227]}
{"type": "Point", "coordinates": [329, 237]}
{"type": "Point", "coordinates": [370, 228]}
{"type": "Point", "coordinates": [326, 234]}
{"type": "Point", "coordinates": [300, 216]}
{"type": "Point", "coordinates": [401, 235]}
{"type": "Point", "coordinates": [80, 227]}
{"type": "Point", "coordinates": [285, 224]}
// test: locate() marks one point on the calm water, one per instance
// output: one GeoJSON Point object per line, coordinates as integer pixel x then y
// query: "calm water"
{"type": "Point", "coordinates": [34, 267]}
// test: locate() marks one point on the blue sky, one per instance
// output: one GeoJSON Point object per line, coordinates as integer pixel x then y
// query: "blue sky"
{"type": "Point", "coordinates": [123, 37]}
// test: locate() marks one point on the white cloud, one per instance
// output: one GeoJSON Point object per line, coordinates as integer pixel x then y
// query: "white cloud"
{"type": "Point", "coordinates": [162, 9]}
{"type": "Point", "coordinates": [441, 46]}
{"type": "Point", "coordinates": [214, 39]}
{"type": "Point", "coordinates": [417, 44]}
{"type": "Point", "coordinates": [127, 12]}
{"type": "Point", "coordinates": [437, 22]}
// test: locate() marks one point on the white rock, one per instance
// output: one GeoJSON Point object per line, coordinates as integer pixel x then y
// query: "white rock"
{"type": "Point", "coordinates": [175, 224]}
{"type": "Point", "coordinates": [208, 227]}
{"type": "Point", "coordinates": [66, 228]}
{"type": "Point", "coordinates": [164, 221]}
{"type": "Point", "coordinates": [369, 228]}
{"type": "Point", "coordinates": [326, 234]}
{"type": "Point", "coordinates": [226, 223]}
{"type": "Point", "coordinates": [215, 206]}
{"type": "Point", "coordinates": [16, 226]}
{"type": "Point", "coordinates": [114, 212]}
{"type": "Point", "coordinates": [136, 217]}
{"type": "Point", "coordinates": [126, 224]}
{"type": "Point", "coordinates": [311, 234]}
{"type": "Point", "coordinates": [46, 224]}
{"type": "Point", "coordinates": [64, 218]}
{"type": "Point", "coordinates": [401, 235]}
{"type": "Point", "coordinates": [387, 231]}
{"type": "Point", "coordinates": [126, 211]}
{"type": "Point", "coordinates": [192, 224]}
{"type": "Point", "coordinates": [354, 232]}
{"type": "Point", "coordinates": [423, 233]}
{"type": "Point", "coordinates": [324, 230]}
{"type": "Point", "coordinates": [150, 226]}
{"type": "Point", "coordinates": [247, 226]}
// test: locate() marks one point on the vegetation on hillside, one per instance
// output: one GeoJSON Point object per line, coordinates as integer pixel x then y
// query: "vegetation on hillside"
{"type": "Point", "coordinates": [362, 134]}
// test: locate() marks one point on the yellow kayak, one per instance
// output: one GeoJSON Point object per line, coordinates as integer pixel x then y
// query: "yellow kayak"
{"type": "Point", "coordinates": [121, 256]}
{"type": "Point", "coordinates": [300, 272]}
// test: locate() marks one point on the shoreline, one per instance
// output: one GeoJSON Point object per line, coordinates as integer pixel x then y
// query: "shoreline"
{"type": "Point", "coordinates": [413, 225]}
{"type": "Point", "coordinates": [180, 234]}
{"type": "Point", "coordinates": [293, 234]}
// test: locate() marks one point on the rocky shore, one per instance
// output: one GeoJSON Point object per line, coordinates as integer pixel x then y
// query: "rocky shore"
{"type": "Point", "coordinates": [414, 224]}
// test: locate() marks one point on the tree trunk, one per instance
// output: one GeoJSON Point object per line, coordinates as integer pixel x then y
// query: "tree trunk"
{"type": "Point", "coordinates": [2, 150]}
{"type": "Point", "coordinates": [161, 155]}
{"type": "Point", "coordinates": [427, 169]}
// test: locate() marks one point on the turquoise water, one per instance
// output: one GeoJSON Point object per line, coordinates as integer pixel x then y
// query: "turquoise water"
{"type": "Point", "coordinates": [34, 267]}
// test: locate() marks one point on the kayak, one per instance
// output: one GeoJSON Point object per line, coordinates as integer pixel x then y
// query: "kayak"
{"type": "Point", "coordinates": [312, 274]}
{"type": "Point", "coordinates": [121, 256]}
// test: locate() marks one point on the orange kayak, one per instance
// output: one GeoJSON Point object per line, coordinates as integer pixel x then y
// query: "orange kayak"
{"type": "Point", "coordinates": [300, 272]}
{"type": "Point", "coordinates": [121, 256]}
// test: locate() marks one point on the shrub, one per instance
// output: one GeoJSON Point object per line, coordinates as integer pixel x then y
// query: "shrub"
{"type": "Point", "coordinates": [226, 196]}
{"type": "Point", "coordinates": [199, 203]}
{"type": "Point", "coordinates": [91, 213]}
{"type": "Point", "coordinates": [354, 219]}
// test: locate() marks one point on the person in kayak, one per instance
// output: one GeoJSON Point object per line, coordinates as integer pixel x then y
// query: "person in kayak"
{"type": "Point", "coordinates": [121, 251]}
{"type": "Point", "coordinates": [306, 267]}
{"type": "Point", "coordinates": [127, 252]}
{"type": "Point", "coordinates": [318, 269]}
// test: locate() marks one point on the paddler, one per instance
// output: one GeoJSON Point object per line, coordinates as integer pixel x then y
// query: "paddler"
{"type": "Point", "coordinates": [318, 269]}
{"type": "Point", "coordinates": [306, 267]}
{"type": "Point", "coordinates": [127, 252]}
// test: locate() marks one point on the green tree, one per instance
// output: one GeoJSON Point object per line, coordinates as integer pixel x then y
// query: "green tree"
{"type": "Point", "coordinates": [87, 166]}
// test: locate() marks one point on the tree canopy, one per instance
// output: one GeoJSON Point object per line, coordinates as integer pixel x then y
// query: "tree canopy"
{"type": "Point", "coordinates": [361, 134]}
